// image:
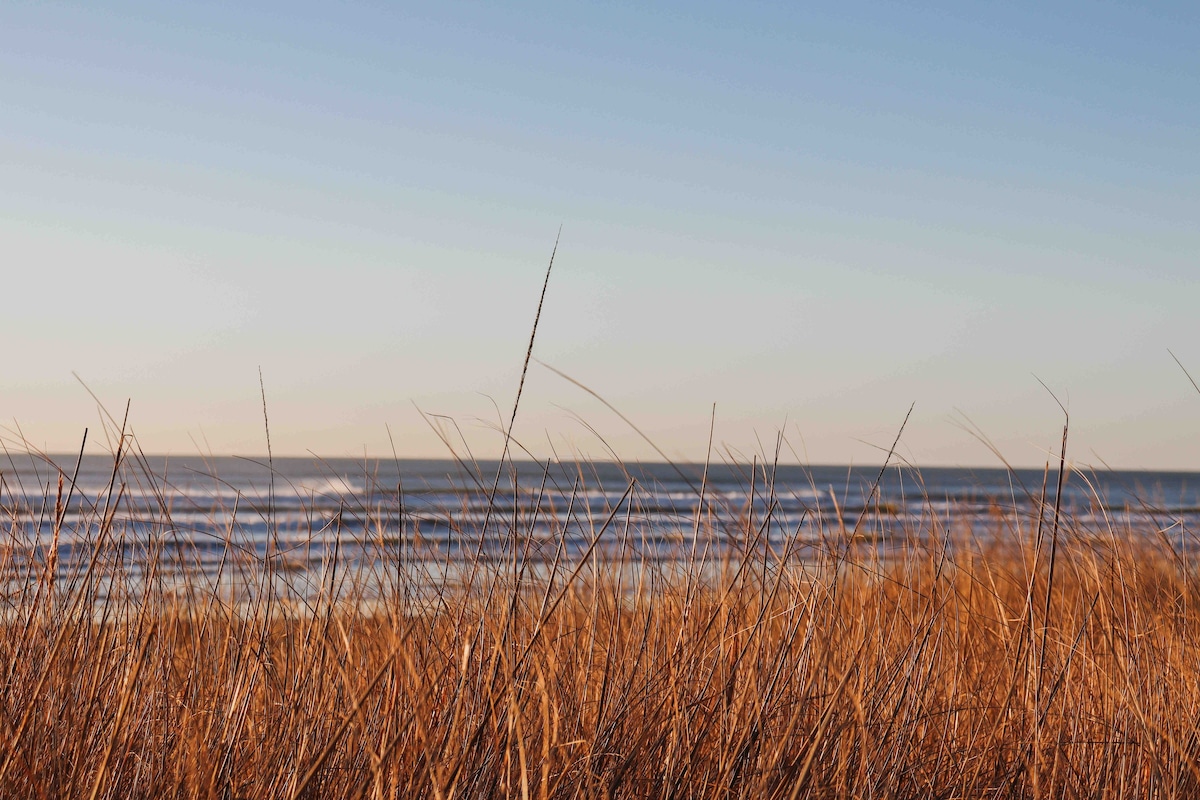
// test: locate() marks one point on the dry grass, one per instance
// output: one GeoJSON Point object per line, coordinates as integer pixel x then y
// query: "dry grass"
{"type": "Point", "coordinates": [964, 664]}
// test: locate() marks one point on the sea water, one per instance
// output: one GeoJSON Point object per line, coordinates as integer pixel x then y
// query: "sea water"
{"type": "Point", "coordinates": [193, 516]}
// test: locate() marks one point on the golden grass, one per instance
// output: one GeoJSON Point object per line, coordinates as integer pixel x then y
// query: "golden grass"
{"type": "Point", "coordinates": [1026, 660]}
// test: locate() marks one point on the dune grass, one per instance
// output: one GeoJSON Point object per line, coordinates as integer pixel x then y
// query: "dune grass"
{"type": "Point", "coordinates": [1037, 658]}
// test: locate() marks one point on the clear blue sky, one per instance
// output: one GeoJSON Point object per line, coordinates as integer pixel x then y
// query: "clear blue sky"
{"type": "Point", "coordinates": [810, 215]}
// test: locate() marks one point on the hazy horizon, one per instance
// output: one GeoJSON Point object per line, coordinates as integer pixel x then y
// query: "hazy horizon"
{"type": "Point", "coordinates": [737, 461]}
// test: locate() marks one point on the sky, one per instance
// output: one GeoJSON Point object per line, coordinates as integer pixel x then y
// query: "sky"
{"type": "Point", "coordinates": [808, 217]}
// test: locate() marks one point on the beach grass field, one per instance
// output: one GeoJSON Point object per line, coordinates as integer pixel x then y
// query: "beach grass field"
{"type": "Point", "coordinates": [1027, 656]}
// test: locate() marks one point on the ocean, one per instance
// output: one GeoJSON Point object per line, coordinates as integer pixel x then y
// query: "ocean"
{"type": "Point", "coordinates": [196, 516]}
